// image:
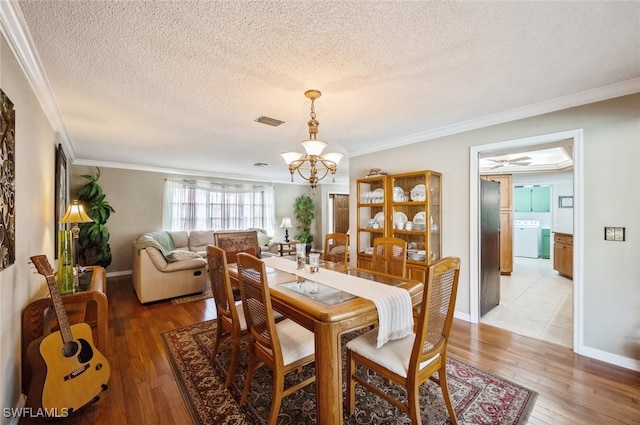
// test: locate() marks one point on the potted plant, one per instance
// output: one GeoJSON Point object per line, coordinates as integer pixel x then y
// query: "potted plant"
{"type": "Point", "coordinates": [303, 209]}
{"type": "Point", "coordinates": [93, 240]}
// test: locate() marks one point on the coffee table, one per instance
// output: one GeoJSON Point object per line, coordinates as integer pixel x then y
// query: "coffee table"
{"type": "Point", "coordinates": [288, 248]}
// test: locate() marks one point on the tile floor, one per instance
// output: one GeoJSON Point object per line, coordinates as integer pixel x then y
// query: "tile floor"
{"type": "Point", "coordinates": [536, 302]}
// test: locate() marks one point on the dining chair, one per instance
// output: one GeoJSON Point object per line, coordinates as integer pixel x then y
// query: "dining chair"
{"type": "Point", "coordinates": [283, 346]}
{"type": "Point", "coordinates": [230, 314]}
{"type": "Point", "coordinates": [235, 242]}
{"type": "Point", "coordinates": [389, 256]}
{"type": "Point", "coordinates": [336, 248]}
{"type": "Point", "coordinates": [412, 360]}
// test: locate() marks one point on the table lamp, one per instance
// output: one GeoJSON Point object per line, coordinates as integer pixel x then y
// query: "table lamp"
{"type": "Point", "coordinates": [286, 225]}
{"type": "Point", "coordinates": [68, 246]}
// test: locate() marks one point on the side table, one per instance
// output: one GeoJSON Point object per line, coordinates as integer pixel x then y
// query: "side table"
{"type": "Point", "coordinates": [288, 248]}
{"type": "Point", "coordinates": [88, 305]}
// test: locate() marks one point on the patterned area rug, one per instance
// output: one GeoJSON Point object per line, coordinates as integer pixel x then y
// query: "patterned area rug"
{"type": "Point", "coordinates": [478, 397]}
{"type": "Point", "coordinates": [207, 293]}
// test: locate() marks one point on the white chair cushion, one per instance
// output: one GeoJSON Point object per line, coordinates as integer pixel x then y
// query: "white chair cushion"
{"type": "Point", "coordinates": [296, 341]}
{"type": "Point", "coordinates": [393, 355]}
{"type": "Point", "coordinates": [338, 250]}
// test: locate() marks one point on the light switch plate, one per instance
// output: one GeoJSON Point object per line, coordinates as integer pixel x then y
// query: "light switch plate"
{"type": "Point", "coordinates": [614, 234]}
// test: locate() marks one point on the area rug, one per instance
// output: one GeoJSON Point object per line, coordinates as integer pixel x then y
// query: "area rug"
{"type": "Point", "coordinates": [207, 293]}
{"type": "Point", "coordinates": [478, 397]}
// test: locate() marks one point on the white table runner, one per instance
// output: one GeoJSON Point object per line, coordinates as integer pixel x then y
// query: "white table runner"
{"type": "Point", "coordinates": [395, 312]}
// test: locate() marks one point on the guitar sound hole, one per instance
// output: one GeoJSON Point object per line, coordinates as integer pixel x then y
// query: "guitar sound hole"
{"type": "Point", "coordinates": [70, 349]}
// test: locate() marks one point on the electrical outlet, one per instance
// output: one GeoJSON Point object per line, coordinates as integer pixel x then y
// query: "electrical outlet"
{"type": "Point", "coordinates": [614, 234]}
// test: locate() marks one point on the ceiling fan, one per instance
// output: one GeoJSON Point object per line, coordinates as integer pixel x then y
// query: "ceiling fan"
{"type": "Point", "coordinates": [522, 161]}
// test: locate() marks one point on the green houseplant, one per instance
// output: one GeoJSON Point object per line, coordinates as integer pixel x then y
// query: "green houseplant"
{"type": "Point", "coordinates": [303, 208]}
{"type": "Point", "coordinates": [93, 240]}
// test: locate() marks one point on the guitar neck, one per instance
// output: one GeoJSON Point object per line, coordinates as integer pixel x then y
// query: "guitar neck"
{"type": "Point", "coordinates": [61, 314]}
{"type": "Point", "coordinates": [45, 269]}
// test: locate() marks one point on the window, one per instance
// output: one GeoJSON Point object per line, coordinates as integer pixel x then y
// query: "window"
{"type": "Point", "coordinates": [198, 205]}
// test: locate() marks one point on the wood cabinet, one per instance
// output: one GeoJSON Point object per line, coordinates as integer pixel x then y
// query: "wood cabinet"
{"type": "Point", "coordinates": [386, 201]}
{"type": "Point", "coordinates": [563, 254]}
{"type": "Point", "coordinates": [506, 220]}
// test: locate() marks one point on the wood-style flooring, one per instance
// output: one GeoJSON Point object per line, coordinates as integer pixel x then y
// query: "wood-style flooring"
{"type": "Point", "coordinates": [571, 389]}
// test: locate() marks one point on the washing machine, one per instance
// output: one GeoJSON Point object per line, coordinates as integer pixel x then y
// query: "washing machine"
{"type": "Point", "coordinates": [527, 238]}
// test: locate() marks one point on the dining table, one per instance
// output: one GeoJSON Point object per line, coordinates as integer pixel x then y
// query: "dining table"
{"type": "Point", "coordinates": [329, 313]}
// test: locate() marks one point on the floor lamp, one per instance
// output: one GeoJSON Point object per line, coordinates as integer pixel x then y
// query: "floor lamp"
{"type": "Point", "coordinates": [68, 247]}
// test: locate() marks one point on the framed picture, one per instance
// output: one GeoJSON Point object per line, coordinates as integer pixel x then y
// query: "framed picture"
{"type": "Point", "coordinates": [7, 182]}
{"type": "Point", "coordinates": [62, 193]}
{"type": "Point", "coordinates": [565, 201]}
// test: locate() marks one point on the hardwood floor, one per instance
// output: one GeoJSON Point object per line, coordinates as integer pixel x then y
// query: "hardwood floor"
{"type": "Point", "coordinates": [571, 389]}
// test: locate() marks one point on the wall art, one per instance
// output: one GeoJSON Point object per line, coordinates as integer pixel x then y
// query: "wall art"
{"type": "Point", "coordinates": [7, 182]}
{"type": "Point", "coordinates": [62, 193]}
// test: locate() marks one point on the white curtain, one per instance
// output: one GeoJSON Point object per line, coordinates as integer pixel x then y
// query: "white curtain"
{"type": "Point", "coordinates": [200, 205]}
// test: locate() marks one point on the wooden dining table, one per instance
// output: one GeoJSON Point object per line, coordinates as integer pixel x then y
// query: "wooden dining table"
{"type": "Point", "coordinates": [328, 316]}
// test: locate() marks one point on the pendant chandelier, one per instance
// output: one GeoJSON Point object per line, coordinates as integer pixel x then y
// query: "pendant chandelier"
{"type": "Point", "coordinates": [317, 166]}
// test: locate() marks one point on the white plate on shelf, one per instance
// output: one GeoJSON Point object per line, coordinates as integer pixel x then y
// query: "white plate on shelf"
{"type": "Point", "coordinates": [379, 218]}
{"type": "Point", "coordinates": [420, 218]}
{"type": "Point", "coordinates": [398, 194]}
{"type": "Point", "coordinates": [419, 193]}
{"type": "Point", "coordinates": [399, 217]}
{"type": "Point", "coordinates": [378, 196]}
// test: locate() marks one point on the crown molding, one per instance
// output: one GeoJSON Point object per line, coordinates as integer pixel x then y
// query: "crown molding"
{"type": "Point", "coordinates": [578, 99]}
{"type": "Point", "coordinates": [14, 29]}
{"type": "Point", "coordinates": [197, 173]}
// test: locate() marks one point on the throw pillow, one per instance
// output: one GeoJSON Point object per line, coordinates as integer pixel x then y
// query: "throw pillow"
{"type": "Point", "coordinates": [180, 254]}
{"type": "Point", "coordinates": [263, 239]}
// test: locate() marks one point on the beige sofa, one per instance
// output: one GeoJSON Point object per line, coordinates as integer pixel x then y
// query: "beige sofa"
{"type": "Point", "coordinates": [164, 268]}
{"type": "Point", "coordinates": [170, 264]}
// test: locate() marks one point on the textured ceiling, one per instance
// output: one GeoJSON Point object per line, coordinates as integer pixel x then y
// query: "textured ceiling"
{"type": "Point", "coordinates": [178, 85]}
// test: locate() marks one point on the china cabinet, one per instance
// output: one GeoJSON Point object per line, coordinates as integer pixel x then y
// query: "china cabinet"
{"type": "Point", "coordinates": [405, 206]}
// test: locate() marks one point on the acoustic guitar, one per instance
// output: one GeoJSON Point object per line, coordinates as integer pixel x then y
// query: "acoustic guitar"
{"type": "Point", "coordinates": [68, 370]}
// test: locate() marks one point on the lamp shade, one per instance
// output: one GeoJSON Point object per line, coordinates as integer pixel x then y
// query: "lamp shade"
{"type": "Point", "coordinates": [313, 147]}
{"type": "Point", "coordinates": [286, 223]}
{"type": "Point", "coordinates": [289, 157]}
{"type": "Point", "coordinates": [334, 157]}
{"type": "Point", "coordinates": [75, 214]}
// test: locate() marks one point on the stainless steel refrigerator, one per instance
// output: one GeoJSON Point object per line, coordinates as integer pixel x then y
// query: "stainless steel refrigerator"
{"type": "Point", "coordinates": [489, 245]}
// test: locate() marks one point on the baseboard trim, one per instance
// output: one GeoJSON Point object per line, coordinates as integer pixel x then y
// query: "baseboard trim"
{"type": "Point", "coordinates": [462, 316]}
{"type": "Point", "coordinates": [610, 358]}
{"type": "Point", "coordinates": [120, 273]}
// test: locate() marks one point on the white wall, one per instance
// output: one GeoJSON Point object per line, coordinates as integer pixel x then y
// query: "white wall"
{"type": "Point", "coordinates": [34, 210]}
{"type": "Point", "coordinates": [137, 196]}
{"type": "Point", "coordinates": [611, 156]}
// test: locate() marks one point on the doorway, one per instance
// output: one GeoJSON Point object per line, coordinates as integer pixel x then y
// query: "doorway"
{"type": "Point", "coordinates": [576, 138]}
{"type": "Point", "coordinates": [339, 217]}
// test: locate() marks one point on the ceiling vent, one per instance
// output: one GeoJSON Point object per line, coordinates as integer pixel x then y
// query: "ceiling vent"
{"type": "Point", "coordinates": [269, 121]}
{"type": "Point", "coordinates": [260, 164]}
